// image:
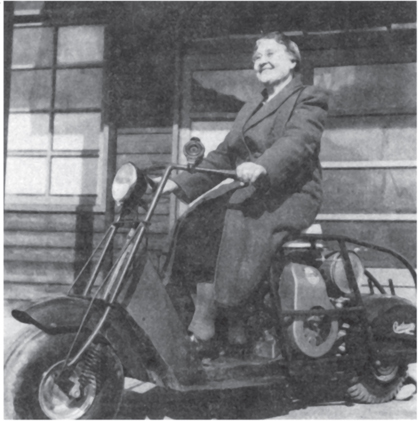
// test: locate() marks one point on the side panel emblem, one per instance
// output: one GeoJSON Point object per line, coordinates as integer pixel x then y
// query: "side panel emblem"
{"type": "Point", "coordinates": [404, 328]}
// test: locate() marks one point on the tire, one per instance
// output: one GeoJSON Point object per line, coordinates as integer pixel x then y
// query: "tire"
{"type": "Point", "coordinates": [36, 360]}
{"type": "Point", "coordinates": [378, 385]}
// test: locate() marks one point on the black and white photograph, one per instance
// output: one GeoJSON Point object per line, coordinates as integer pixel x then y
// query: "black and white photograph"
{"type": "Point", "coordinates": [209, 210]}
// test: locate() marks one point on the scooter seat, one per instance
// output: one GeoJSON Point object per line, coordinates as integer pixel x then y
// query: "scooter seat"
{"type": "Point", "coordinates": [313, 229]}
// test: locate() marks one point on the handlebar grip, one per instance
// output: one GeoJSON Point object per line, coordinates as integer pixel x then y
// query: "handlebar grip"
{"type": "Point", "coordinates": [227, 173]}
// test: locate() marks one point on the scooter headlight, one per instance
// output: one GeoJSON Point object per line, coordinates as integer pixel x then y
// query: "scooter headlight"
{"type": "Point", "coordinates": [124, 182]}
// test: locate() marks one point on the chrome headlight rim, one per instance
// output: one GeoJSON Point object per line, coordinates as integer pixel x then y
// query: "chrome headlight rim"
{"type": "Point", "coordinates": [124, 182]}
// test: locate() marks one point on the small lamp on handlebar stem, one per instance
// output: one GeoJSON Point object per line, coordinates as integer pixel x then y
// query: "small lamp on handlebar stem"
{"type": "Point", "coordinates": [194, 152]}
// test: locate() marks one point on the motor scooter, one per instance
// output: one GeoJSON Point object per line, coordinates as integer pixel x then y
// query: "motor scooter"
{"type": "Point", "coordinates": [309, 321]}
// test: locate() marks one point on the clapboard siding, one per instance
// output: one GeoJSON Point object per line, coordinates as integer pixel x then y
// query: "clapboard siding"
{"type": "Point", "coordinates": [25, 221]}
{"type": "Point", "coordinates": [66, 239]}
{"type": "Point", "coordinates": [40, 254]}
{"type": "Point", "coordinates": [156, 143]}
{"type": "Point", "coordinates": [45, 272]}
{"type": "Point", "coordinates": [32, 292]}
{"type": "Point", "coordinates": [159, 225]}
{"type": "Point", "coordinates": [369, 138]}
{"type": "Point", "coordinates": [402, 280]}
{"type": "Point", "coordinates": [40, 239]}
{"type": "Point", "coordinates": [45, 249]}
{"type": "Point", "coordinates": [399, 236]}
{"type": "Point", "coordinates": [147, 148]}
{"type": "Point", "coordinates": [143, 161]}
{"type": "Point", "coordinates": [155, 242]}
{"type": "Point", "coordinates": [43, 252]}
{"type": "Point", "coordinates": [369, 191]}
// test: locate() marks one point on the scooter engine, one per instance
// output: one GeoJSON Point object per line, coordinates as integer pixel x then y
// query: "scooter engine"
{"type": "Point", "coordinates": [303, 288]}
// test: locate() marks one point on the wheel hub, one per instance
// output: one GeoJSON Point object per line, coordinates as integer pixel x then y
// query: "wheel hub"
{"type": "Point", "coordinates": [61, 396]}
{"type": "Point", "coordinates": [385, 374]}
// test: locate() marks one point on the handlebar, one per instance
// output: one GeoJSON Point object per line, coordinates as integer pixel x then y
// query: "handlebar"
{"type": "Point", "coordinates": [227, 173]}
{"type": "Point", "coordinates": [192, 169]}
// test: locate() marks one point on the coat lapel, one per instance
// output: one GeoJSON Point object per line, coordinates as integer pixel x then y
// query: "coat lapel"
{"type": "Point", "coordinates": [253, 118]}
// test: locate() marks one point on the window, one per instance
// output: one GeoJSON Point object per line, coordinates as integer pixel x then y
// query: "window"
{"type": "Point", "coordinates": [56, 139]}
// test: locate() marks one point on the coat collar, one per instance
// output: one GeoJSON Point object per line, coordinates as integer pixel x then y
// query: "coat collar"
{"type": "Point", "coordinates": [255, 116]}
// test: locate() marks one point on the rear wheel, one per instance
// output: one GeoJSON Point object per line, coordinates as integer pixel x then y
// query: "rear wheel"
{"type": "Point", "coordinates": [378, 384]}
{"type": "Point", "coordinates": [37, 386]}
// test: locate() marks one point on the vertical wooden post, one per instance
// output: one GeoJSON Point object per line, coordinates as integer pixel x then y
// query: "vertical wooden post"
{"type": "Point", "coordinates": [7, 49]}
{"type": "Point", "coordinates": [176, 109]}
{"type": "Point", "coordinates": [111, 120]}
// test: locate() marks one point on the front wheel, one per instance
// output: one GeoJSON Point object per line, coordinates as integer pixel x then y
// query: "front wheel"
{"type": "Point", "coordinates": [378, 384]}
{"type": "Point", "coordinates": [37, 386]}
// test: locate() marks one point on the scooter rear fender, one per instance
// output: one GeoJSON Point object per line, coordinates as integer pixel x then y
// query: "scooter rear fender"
{"type": "Point", "coordinates": [65, 314]}
{"type": "Point", "coordinates": [393, 323]}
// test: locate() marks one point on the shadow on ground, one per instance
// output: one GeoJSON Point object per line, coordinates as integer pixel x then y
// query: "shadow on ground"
{"type": "Point", "coordinates": [248, 403]}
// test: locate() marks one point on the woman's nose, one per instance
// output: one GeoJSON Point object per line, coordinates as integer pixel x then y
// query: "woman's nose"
{"type": "Point", "coordinates": [263, 59]}
{"type": "Point", "coordinates": [260, 63]}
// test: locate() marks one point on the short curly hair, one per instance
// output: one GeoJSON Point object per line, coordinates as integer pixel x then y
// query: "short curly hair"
{"type": "Point", "coordinates": [291, 46]}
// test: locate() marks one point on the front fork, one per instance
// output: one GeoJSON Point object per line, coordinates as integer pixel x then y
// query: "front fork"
{"type": "Point", "coordinates": [114, 279]}
{"type": "Point", "coordinates": [88, 372]}
{"type": "Point", "coordinates": [115, 282]}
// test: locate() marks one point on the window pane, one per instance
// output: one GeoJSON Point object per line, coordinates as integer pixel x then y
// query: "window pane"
{"type": "Point", "coordinates": [28, 7]}
{"type": "Point", "coordinates": [80, 44]}
{"type": "Point", "coordinates": [26, 175]}
{"type": "Point", "coordinates": [211, 133]}
{"type": "Point", "coordinates": [31, 90]}
{"type": "Point", "coordinates": [369, 89]}
{"type": "Point", "coordinates": [370, 191]}
{"type": "Point", "coordinates": [223, 90]}
{"type": "Point", "coordinates": [28, 131]}
{"type": "Point", "coordinates": [79, 88]}
{"type": "Point", "coordinates": [74, 176]}
{"type": "Point", "coordinates": [32, 47]}
{"type": "Point", "coordinates": [76, 131]}
{"type": "Point", "coordinates": [369, 138]}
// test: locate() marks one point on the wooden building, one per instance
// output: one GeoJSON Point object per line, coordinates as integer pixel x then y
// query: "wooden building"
{"type": "Point", "coordinates": [91, 85]}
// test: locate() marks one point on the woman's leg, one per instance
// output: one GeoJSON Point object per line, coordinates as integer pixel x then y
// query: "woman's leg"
{"type": "Point", "coordinates": [195, 261]}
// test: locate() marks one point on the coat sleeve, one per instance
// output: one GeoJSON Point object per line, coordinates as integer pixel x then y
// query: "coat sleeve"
{"type": "Point", "coordinates": [299, 145]}
{"type": "Point", "coordinates": [222, 158]}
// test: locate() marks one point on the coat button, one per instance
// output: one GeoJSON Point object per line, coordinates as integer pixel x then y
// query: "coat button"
{"type": "Point", "coordinates": [257, 154]}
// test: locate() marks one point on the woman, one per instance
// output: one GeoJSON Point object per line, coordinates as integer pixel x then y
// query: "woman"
{"type": "Point", "coordinates": [225, 244]}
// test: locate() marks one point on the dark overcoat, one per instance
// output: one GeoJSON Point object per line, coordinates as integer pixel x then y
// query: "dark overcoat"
{"type": "Point", "coordinates": [283, 136]}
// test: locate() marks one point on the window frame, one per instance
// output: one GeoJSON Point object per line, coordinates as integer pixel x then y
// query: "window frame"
{"type": "Point", "coordinates": [65, 203]}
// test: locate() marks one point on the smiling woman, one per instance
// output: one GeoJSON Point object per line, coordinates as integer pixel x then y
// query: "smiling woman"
{"type": "Point", "coordinates": [273, 146]}
{"type": "Point", "coordinates": [276, 59]}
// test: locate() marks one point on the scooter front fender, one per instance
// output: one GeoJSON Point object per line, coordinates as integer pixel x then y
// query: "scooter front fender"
{"type": "Point", "coordinates": [65, 314]}
{"type": "Point", "coordinates": [58, 315]}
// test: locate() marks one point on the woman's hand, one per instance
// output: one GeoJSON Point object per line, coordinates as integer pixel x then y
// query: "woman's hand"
{"type": "Point", "coordinates": [170, 186]}
{"type": "Point", "coordinates": [248, 172]}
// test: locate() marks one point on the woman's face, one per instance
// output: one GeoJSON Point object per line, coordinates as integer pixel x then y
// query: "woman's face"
{"type": "Point", "coordinates": [272, 63]}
